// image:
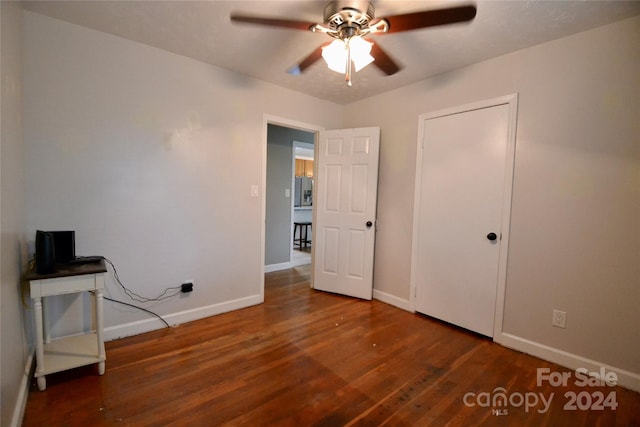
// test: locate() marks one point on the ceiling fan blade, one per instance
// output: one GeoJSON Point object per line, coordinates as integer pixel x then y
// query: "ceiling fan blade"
{"type": "Point", "coordinates": [273, 22]}
{"type": "Point", "coordinates": [383, 61]}
{"type": "Point", "coordinates": [430, 18]}
{"type": "Point", "coordinates": [308, 61]}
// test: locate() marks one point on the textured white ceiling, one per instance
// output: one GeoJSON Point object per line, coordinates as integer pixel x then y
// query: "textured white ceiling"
{"type": "Point", "coordinates": [202, 30]}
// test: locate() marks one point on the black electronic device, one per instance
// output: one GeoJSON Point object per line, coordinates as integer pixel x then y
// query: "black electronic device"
{"type": "Point", "coordinates": [85, 260]}
{"type": "Point", "coordinates": [65, 244]}
{"type": "Point", "coordinates": [58, 248]}
{"type": "Point", "coordinates": [53, 248]}
{"type": "Point", "coordinates": [45, 253]}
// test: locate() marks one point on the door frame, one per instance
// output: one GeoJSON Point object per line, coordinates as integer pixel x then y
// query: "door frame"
{"type": "Point", "coordinates": [512, 101]}
{"type": "Point", "coordinates": [268, 119]}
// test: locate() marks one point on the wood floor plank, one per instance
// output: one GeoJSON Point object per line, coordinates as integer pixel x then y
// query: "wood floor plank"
{"type": "Point", "coordinates": [307, 358]}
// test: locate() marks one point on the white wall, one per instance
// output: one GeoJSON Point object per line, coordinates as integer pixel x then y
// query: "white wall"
{"type": "Point", "coordinates": [13, 343]}
{"type": "Point", "coordinates": [575, 228]}
{"type": "Point", "coordinates": [150, 157]}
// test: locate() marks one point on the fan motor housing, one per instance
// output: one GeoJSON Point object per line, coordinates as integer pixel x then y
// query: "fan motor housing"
{"type": "Point", "coordinates": [348, 14]}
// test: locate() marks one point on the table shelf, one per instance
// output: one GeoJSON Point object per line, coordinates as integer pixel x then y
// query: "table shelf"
{"type": "Point", "coordinates": [70, 352]}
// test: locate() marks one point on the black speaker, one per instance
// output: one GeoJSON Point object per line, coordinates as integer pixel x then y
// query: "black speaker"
{"type": "Point", "coordinates": [45, 253]}
{"type": "Point", "coordinates": [65, 245]}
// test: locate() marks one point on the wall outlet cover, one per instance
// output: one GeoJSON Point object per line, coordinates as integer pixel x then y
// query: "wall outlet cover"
{"type": "Point", "coordinates": [559, 319]}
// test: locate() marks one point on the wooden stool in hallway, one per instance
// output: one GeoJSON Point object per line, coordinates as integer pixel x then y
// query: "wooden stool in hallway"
{"type": "Point", "coordinates": [303, 236]}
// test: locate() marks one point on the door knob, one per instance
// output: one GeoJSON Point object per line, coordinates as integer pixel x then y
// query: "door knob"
{"type": "Point", "coordinates": [369, 224]}
{"type": "Point", "coordinates": [492, 236]}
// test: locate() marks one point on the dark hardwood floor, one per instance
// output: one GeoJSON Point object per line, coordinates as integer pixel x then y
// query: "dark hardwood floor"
{"type": "Point", "coordinates": [307, 358]}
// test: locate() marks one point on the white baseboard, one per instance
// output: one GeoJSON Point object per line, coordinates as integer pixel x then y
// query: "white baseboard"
{"type": "Point", "coordinates": [23, 392]}
{"type": "Point", "coordinates": [151, 324]}
{"type": "Point", "coordinates": [392, 300]}
{"type": "Point", "coordinates": [299, 262]}
{"type": "Point", "coordinates": [626, 379]}
{"type": "Point", "coordinates": [277, 267]}
{"type": "Point", "coordinates": [286, 265]}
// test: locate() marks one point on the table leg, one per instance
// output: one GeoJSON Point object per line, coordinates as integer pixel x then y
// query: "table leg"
{"type": "Point", "coordinates": [99, 331]}
{"type": "Point", "coordinates": [37, 314]}
{"type": "Point", "coordinates": [45, 327]}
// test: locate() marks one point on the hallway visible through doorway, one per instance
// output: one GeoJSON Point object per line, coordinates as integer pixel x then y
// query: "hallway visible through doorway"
{"type": "Point", "coordinates": [301, 256]}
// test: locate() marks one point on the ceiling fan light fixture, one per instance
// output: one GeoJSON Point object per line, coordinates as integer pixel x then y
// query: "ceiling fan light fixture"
{"type": "Point", "coordinates": [337, 54]}
{"type": "Point", "coordinates": [360, 52]}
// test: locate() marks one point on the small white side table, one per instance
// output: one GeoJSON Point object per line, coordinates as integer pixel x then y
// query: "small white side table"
{"type": "Point", "coordinates": [74, 351]}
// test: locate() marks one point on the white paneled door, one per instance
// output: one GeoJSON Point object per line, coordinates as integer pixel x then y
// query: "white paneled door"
{"type": "Point", "coordinates": [345, 199]}
{"type": "Point", "coordinates": [461, 213]}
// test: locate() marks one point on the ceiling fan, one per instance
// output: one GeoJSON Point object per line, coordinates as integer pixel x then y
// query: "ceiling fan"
{"type": "Point", "coordinates": [347, 22]}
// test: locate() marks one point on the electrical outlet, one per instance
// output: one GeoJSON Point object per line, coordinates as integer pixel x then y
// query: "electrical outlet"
{"type": "Point", "coordinates": [187, 286]}
{"type": "Point", "coordinates": [559, 319]}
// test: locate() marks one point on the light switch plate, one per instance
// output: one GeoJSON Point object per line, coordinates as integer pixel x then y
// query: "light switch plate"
{"type": "Point", "coordinates": [254, 191]}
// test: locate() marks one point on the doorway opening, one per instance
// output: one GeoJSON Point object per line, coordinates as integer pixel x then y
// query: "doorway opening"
{"type": "Point", "coordinates": [279, 163]}
{"type": "Point", "coordinates": [302, 215]}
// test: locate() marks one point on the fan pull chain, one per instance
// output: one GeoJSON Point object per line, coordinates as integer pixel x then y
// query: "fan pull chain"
{"type": "Point", "coordinates": [347, 75]}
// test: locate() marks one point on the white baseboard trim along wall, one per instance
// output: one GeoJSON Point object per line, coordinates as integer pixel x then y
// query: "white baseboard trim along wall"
{"type": "Point", "coordinates": [572, 361]}
{"type": "Point", "coordinates": [392, 300]}
{"type": "Point", "coordinates": [23, 393]}
{"type": "Point", "coordinates": [626, 379]}
{"type": "Point", "coordinates": [285, 265]}
{"type": "Point", "coordinates": [277, 267]}
{"type": "Point", "coordinates": [153, 323]}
